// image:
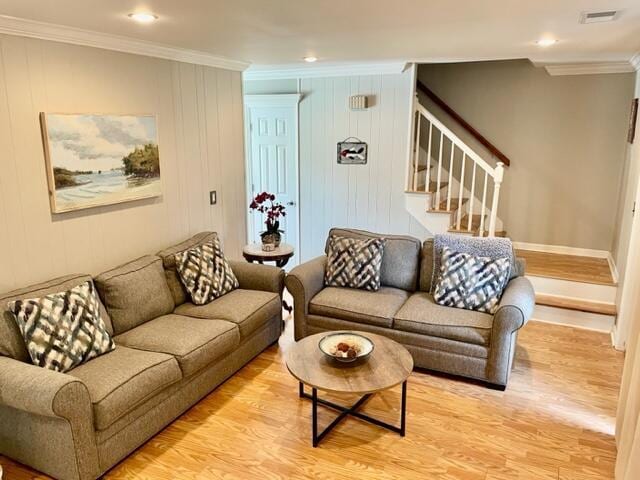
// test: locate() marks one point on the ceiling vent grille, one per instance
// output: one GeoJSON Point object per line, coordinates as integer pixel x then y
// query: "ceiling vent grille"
{"type": "Point", "coordinates": [597, 17]}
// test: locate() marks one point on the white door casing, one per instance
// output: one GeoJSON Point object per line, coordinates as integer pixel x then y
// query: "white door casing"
{"type": "Point", "coordinates": [271, 131]}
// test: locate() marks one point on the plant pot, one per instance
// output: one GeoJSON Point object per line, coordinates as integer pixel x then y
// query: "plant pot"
{"type": "Point", "coordinates": [271, 239]}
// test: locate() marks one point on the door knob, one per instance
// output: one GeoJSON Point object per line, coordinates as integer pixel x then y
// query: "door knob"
{"type": "Point", "coordinates": [291, 204]}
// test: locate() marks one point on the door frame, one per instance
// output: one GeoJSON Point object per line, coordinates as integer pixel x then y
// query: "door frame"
{"type": "Point", "coordinates": [291, 100]}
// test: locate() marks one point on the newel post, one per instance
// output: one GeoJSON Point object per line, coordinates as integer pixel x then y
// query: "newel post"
{"type": "Point", "coordinates": [497, 181]}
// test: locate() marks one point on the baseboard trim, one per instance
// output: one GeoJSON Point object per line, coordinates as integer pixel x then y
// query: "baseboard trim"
{"type": "Point", "coordinates": [561, 249]}
{"type": "Point", "coordinates": [613, 268]}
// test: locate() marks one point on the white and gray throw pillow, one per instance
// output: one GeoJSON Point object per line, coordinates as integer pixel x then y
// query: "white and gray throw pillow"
{"type": "Point", "coordinates": [470, 282]}
{"type": "Point", "coordinates": [205, 272]}
{"type": "Point", "coordinates": [354, 263]}
{"type": "Point", "coordinates": [63, 330]}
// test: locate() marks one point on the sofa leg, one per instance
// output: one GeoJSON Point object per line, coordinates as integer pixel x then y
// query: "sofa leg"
{"type": "Point", "coordinates": [496, 386]}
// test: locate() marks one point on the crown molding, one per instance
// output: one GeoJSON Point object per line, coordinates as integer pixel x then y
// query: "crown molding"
{"type": "Point", "coordinates": [296, 70]}
{"type": "Point", "coordinates": [590, 68]}
{"type": "Point", "coordinates": [76, 36]}
{"type": "Point", "coordinates": [635, 62]}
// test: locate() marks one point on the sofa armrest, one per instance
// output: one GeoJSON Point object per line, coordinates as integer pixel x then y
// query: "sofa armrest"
{"type": "Point", "coordinates": [41, 391]}
{"type": "Point", "coordinates": [304, 282]}
{"type": "Point", "coordinates": [33, 393]}
{"type": "Point", "coordinates": [253, 276]}
{"type": "Point", "coordinates": [516, 305]}
{"type": "Point", "coordinates": [514, 311]}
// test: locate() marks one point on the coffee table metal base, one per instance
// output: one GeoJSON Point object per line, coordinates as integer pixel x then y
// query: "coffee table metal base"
{"type": "Point", "coordinates": [346, 411]}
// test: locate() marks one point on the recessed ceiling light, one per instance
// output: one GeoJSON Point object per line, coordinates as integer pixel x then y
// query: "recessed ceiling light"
{"type": "Point", "coordinates": [546, 42]}
{"type": "Point", "coordinates": [143, 17]}
{"type": "Point", "coordinates": [310, 59]}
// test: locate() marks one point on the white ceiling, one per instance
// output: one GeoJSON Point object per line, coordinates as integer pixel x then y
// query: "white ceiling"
{"type": "Point", "coordinates": [284, 31]}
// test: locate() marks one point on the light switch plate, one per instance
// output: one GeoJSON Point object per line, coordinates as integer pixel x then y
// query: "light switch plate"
{"type": "Point", "coordinates": [213, 197]}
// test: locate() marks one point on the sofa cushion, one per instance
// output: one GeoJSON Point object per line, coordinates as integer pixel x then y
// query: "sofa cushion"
{"type": "Point", "coordinates": [64, 329]}
{"type": "Point", "coordinates": [249, 309]}
{"type": "Point", "coordinates": [205, 272]}
{"type": "Point", "coordinates": [11, 342]}
{"type": "Point", "coordinates": [426, 266]}
{"type": "Point", "coordinates": [471, 282]}
{"type": "Point", "coordinates": [123, 379]}
{"type": "Point", "coordinates": [420, 314]}
{"type": "Point", "coordinates": [400, 262]}
{"type": "Point", "coordinates": [135, 293]}
{"type": "Point", "coordinates": [354, 262]}
{"type": "Point", "coordinates": [168, 256]}
{"type": "Point", "coordinates": [195, 342]}
{"type": "Point", "coordinates": [375, 308]}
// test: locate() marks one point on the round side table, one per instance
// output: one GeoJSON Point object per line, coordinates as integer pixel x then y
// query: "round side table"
{"type": "Point", "coordinates": [281, 255]}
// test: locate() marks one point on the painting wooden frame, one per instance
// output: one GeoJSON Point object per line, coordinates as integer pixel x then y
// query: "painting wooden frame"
{"type": "Point", "coordinates": [133, 176]}
{"type": "Point", "coordinates": [633, 120]}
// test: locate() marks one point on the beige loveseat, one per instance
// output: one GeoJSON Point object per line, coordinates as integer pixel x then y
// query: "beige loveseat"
{"type": "Point", "coordinates": [461, 342]}
{"type": "Point", "coordinates": [169, 354]}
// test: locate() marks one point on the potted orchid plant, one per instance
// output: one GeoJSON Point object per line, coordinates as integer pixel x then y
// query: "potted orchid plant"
{"type": "Point", "coordinates": [266, 204]}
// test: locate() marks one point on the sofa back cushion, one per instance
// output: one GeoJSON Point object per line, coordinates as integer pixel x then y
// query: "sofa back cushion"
{"type": "Point", "coordinates": [11, 340]}
{"type": "Point", "coordinates": [400, 261]}
{"type": "Point", "coordinates": [135, 293]}
{"type": "Point", "coordinates": [168, 256]}
{"type": "Point", "coordinates": [426, 265]}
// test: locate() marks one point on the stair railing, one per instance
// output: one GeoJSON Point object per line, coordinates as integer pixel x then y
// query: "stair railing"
{"type": "Point", "coordinates": [469, 159]}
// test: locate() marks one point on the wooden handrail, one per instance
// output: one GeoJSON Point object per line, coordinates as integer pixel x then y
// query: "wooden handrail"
{"type": "Point", "coordinates": [453, 114]}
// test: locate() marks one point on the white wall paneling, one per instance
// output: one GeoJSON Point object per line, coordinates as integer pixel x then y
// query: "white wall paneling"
{"type": "Point", "coordinates": [367, 196]}
{"type": "Point", "coordinates": [200, 119]}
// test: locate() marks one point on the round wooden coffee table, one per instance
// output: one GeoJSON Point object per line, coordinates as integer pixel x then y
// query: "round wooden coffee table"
{"type": "Point", "coordinates": [389, 365]}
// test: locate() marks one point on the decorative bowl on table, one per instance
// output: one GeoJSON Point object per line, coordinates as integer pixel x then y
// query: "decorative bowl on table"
{"type": "Point", "coordinates": [346, 347]}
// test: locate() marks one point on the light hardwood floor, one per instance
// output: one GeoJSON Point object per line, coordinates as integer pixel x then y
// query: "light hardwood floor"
{"type": "Point", "coordinates": [555, 421]}
{"type": "Point", "coordinates": [574, 268]}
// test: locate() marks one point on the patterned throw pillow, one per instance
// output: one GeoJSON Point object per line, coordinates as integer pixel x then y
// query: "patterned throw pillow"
{"type": "Point", "coordinates": [354, 263]}
{"type": "Point", "coordinates": [63, 330]}
{"type": "Point", "coordinates": [205, 273]}
{"type": "Point", "coordinates": [470, 282]}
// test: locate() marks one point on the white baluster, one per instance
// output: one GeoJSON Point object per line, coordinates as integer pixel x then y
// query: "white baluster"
{"type": "Point", "coordinates": [461, 192]}
{"type": "Point", "coordinates": [472, 197]}
{"type": "Point", "coordinates": [439, 172]}
{"type": "Point", "coordinates": [428, 179]}
{"type": "Point", "coordinates": [416, 158]}
{"type": "Point", "coordinates": [497, 181]}
{"type": "Point", "coordinates": [449, 189]}
{"type": "Point", "coordinates": [484, 203]}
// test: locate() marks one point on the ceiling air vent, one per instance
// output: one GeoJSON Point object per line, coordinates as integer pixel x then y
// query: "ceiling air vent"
{"type": "Point", "coordinates": [597, 17]}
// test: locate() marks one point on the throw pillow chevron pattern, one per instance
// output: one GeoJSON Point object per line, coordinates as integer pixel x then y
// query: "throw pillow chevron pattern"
{"type": "Point", "coordinates": [205, 272]}
{"type": "Point", "coordinates": [470, 282]}
{"type": "Point", "coordinates": [63, 330]}
{"type": "Point", "coordinates": [354, 263]}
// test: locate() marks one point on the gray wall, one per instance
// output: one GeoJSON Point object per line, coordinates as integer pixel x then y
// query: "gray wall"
{"type": "Point", "coordinates": [565, 136]}
{"type": "Point", "coordinates": [200, 129]}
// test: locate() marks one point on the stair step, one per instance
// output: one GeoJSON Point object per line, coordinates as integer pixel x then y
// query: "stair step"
{"type": "Point", "coordinates": [454, 204]}
{"type": "Point", "coordinates": [475, 223]}
{"type": "Point", "coordinates": [576, 304]}
{"type": "Point", "coordinates": [432, 188]}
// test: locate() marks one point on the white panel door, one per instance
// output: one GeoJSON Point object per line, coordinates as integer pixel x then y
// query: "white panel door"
{"type": "Point", "coordinates": [273, 167]}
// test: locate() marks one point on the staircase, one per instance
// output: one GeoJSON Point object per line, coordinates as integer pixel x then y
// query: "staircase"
{"type": "Point", "coordinates": [450, 188]}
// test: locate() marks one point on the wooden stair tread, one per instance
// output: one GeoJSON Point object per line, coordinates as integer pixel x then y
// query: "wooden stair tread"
{"type": "Point", "coordinates": [576, 304]}
{"type": "Point", "coordinates": [573, 268]}
{"type": "Point", "coordinates": [454, 204]}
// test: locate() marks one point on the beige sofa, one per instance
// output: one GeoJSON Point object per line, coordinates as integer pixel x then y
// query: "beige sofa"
{"type": "Point", "coordinates": [461, 342]}
{"type": "Point", "coordinates": [169, 354]}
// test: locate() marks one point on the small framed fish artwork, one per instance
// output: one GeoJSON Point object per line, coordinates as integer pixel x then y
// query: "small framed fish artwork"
{"type": "Point", "coordinates": [352, 151]}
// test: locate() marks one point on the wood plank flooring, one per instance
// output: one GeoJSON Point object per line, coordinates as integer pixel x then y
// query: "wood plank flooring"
{"type": "Point", "coordinates": [555, 421]}
{"type": "Point", "coordinates": [567, 267]}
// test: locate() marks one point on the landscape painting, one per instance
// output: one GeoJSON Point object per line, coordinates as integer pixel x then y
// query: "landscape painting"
{"type": "Point", "coordinates": [95, 160]}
